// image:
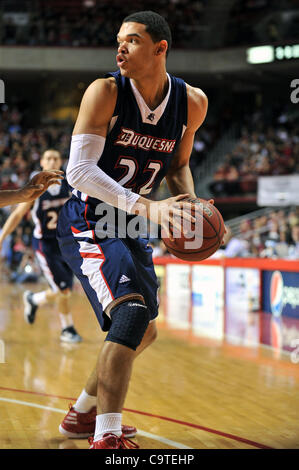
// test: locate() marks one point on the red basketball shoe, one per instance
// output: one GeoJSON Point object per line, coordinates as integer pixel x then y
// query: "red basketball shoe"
{"type": "Point", "coordinates": [77, 425]}
{"type": "Point", "coordinates": [111, 441]}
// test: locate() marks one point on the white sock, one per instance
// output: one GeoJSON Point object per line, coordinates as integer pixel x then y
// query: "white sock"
{"type": "Point", "coordinates": [85, 402]}
{"type": "Point", "coordinates": [39, 298]}
{"type": "Point", "coordinates": [66, 320]}
{"type": "Point", "coordinates": [108, 422]}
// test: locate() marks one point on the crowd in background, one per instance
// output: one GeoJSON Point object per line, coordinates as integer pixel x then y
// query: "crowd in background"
{"type": "Point", "coordinates": [21, 148]}
{"type": "Point", "coordinates": [92, 23]}
{"type": "Point", "coordinates": [95, 24]}
{"type": "Point", "coordinates": [262, 150]}
{"type": "Point", "coordinates": [274, 235]}
{"type": "Point", "coordinates": [259, 21]}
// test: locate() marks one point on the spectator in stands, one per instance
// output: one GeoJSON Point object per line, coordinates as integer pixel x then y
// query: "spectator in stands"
{"type": "Point", "coordinates": [273, 233]}
{"type": "Point", "coordinates": [203, 141]}
{"type": "Point", "coordinates": [232, 179]}
{"type": "Point", "coordinates": [219, 183]}
{"type": "Point", "coordinates": [294, 247]}
{"type": "Point", "coordinates": [282, 246]}
{"type": "Point", "coordinates": [292, 218]}
{"type": "Point", "coordinates": [234, 246]}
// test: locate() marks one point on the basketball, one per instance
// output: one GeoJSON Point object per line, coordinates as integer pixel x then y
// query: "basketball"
{"type": "Point", "coordinates": [205, 237]}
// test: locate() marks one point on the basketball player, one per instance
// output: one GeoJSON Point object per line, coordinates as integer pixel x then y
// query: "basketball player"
{"type": "Point", "coordinates": [134, 128]}
{"type": "Point", "coordinates": [36, 186]}
{"type": "Point", "coordinates": [44, 213]}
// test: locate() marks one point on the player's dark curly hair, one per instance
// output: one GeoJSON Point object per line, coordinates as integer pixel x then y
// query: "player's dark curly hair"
{"type": "Point", "coordinates": [156, 26]}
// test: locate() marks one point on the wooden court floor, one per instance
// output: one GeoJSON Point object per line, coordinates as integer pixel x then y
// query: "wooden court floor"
{"type": "Point", "coordinates": [184, 393]}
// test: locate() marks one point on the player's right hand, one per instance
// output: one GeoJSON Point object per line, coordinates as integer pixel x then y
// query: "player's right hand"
{"type": "Point", "coordinates": [39, 184]}
{"type": "Point", "coordinates": [171, 213]}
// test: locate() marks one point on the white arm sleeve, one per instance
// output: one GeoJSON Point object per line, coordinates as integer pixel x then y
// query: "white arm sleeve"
{"type": "Point", "coordinates": [82, 173]}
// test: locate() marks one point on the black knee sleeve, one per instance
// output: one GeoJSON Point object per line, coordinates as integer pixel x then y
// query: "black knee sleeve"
{"type": "Point", "coordinates": [129, 323]}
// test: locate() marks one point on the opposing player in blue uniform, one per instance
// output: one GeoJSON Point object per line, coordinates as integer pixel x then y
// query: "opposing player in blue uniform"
{"type": "Point", "coordinates": [44, 212]}
{"type": "Point", "coordinates": [134, 128]}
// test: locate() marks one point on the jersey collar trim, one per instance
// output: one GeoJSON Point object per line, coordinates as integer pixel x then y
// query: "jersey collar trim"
{"type": "Point", "coordinates": [151, 116]}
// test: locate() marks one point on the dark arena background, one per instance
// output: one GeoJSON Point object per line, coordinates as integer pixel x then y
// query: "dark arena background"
{"type": "Point", "coordinates": [224, 370]}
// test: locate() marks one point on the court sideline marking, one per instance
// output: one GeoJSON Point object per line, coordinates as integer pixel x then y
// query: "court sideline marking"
{"type": "Point", "coordinates": [164, 440]}
{"type": "Point", "coordinates": [165, 418]}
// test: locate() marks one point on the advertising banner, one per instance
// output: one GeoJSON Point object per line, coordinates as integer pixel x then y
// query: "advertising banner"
{"type": "Point", "coordinates": [207, 301]}
{"type": "Point", "coordinates": [242, 296]}
{"type": "Point", "coordinates": [178, 293]}
{"type": "Point", "coordinates": [280, 304]}
{"type": "Point", "coordinates": [282, 190]}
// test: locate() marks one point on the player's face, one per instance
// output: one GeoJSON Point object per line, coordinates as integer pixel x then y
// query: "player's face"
{"type": "Point", "coordinates": [50, 161]}
{"type": "Point", "coordinates": [136, 50]}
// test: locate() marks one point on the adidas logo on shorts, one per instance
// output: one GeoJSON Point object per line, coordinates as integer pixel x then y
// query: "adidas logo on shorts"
{"type": "Point", "coordinates": [123, 279]}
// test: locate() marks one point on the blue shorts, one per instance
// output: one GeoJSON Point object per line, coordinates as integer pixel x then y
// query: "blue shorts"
{"type": "Point", "coordinates": [52, 264]}
{"type": "Point", "coordinates": [107, 268]}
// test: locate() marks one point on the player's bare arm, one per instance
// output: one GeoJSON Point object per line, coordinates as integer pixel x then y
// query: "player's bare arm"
{"type": "Point", "coordinates": [96, 108]}
{"type": "Point", "coordinates": [14, 219]}
{"type": "Point", "coordinates": [179, 178]}
{"type": "Point", "coordinates": [32, 190]}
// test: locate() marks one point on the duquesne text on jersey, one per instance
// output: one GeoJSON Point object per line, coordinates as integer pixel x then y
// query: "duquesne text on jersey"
{"type": "Point", "coordinates": [128, 137]}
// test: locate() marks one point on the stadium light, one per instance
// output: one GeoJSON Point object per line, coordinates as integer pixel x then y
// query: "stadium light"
{"type": "Point", "coordinates": [266, 54]}
{"type": "Point", "coordinates": [260, 55]}
{"type": "Point", "coordinates": [287, 52]}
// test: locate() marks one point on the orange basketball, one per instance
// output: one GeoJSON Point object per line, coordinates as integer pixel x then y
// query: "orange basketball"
{"type": "Point", "coordinates": [203, 238]}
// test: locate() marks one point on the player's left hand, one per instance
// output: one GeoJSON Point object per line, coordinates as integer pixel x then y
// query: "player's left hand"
{"type": "Point", "coordinates": [40, 183]}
